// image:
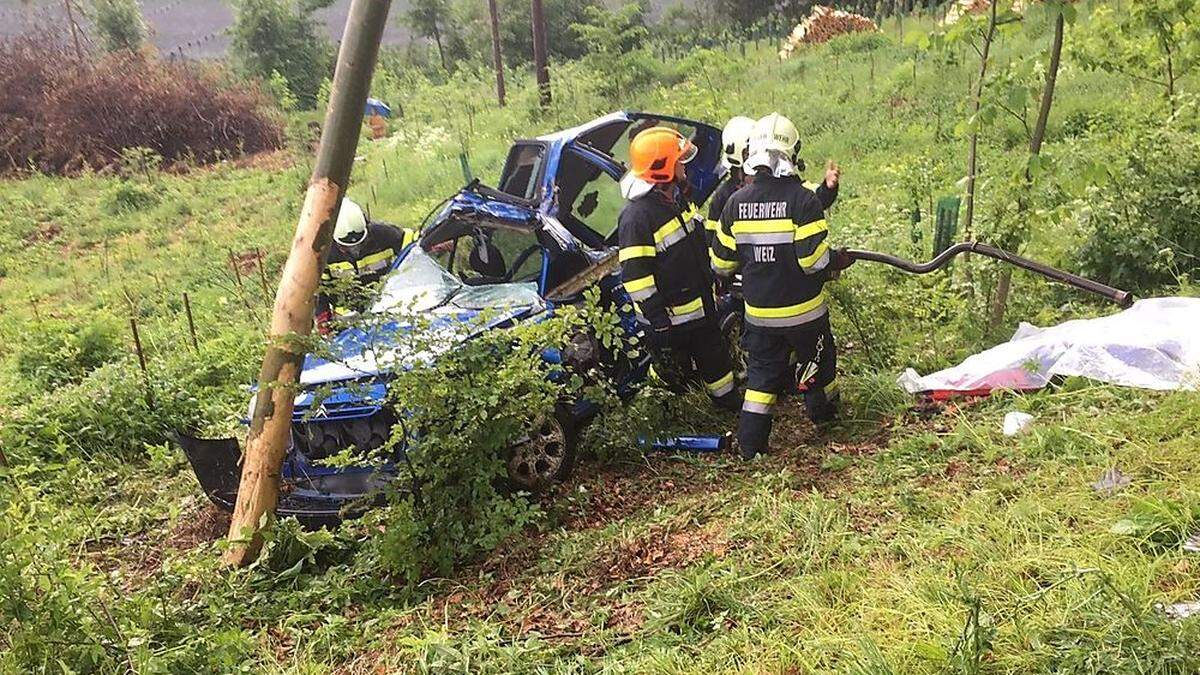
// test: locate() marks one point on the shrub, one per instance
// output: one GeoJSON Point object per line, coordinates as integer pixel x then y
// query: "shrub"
{"type": "Point", "coordinates": [60, 118]}
{"type": "Point", "coordinates": [55, 353]}
{"type": "Point", "coordinates": [1142, 220]}
{"type": "Point", "coordinates": [129, 197]}
{"type": "Point", "coordinates": [119, 24]}
{"type": "Point", "coordinates": [468, 408]}
{"type": "Point", "coordinates": [279, 37]}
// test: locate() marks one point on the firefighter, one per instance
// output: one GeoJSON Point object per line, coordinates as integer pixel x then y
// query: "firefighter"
{"type": "Point", "coordinates": [664, 266]}
{"type": "Point", "coordinates": [734, 140]}
{"type": "Point", "coordinates": [362, 253]}
{"type": "Point", "coordinates": [733, 152]}
{"type": "Point", "coordinates": [774, 232]}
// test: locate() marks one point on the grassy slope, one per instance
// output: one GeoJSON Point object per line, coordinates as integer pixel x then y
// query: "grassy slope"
{"type": "Point", "coordinates": [901, 543]}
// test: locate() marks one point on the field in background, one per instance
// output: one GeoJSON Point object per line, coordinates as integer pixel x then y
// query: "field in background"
{"type": "Point", "coordinates": [905, 541]}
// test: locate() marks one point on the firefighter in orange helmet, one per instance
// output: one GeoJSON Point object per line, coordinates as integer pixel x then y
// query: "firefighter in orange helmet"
{"type": "Point", "coordinates": [665, 266]}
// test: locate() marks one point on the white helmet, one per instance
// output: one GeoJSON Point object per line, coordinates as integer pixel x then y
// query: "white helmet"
{"type": "Point", "coordinates": [734, 139]}
{"type": "Point", "coordinates": [351, 225]}
{"type": "Point", "coordinates": [773, 145]}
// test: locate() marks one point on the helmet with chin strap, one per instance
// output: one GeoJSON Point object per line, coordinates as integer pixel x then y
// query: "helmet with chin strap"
{"type": "Point", "coordinates": [351, 227]}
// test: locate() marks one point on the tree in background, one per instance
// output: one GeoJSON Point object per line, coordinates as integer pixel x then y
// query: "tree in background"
{"type": "Point", "coordinates": [434, 19]}
{"type": "Point", "coordinates": [612, 39]}
{"type": "Point", "coordinates": [517, 38]}
{"type": "Point", "coordinates": [1153, 41]}
{"type": "Point", "coordinates": [278, 38]}
{"type": "Point", "coordinates": [119, 24]}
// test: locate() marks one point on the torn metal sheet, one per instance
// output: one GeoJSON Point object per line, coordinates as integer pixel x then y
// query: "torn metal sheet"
{"type": "Point", "coordinates": [1153, 345]}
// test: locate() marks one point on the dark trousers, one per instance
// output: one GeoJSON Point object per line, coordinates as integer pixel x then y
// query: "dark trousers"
{"type": "Point", "coordinates": [696, 353]}
{"type": "Point", "coordinates": [770, 372]}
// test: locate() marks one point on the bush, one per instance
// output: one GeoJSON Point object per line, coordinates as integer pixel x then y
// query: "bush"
{"type": "Point", "coordinates": [277, 38]}
{"type": "Point", "coordinates": [1142, 221]}
{"type": "Point", "coordinates": [468, 409]}
{"type": "Point", "coordinates": [55, 353]}
{"type": "Point", "coordinates": [60, 118]}
{"type": "Point", "coordinates": [119, 24]}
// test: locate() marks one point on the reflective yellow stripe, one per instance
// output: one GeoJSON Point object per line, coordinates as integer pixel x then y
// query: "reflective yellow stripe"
{"type": "Point", "coordinates": [726, 240]}
{"type": "Point", "coordinates": [755, 226]}
{"type": "Point", "coordinates": [631, 252]}
{"type": "Point", "coordinates": [639, 284]}
{"type": "Point", "coordinates": [377, 257]}
{"type": "Point", "coordinates": [811, 186]}
{"type": "Point", "coordinates": [720, 262]}
{"type": "Point", "coordinates": [790, 310]}
{"type": "Point", "coordinates": [712, 225]}
{"type": "Point", "coordinates": [344, 266]}
{"type": "Point", "coordinates": [692, 306]}
{"type": "Point", "coordinates": [410, 235]}
{"type": "Point", "coordinates": [810, 260]}
{"type": "Point", "coordinates": [728, 379]}
{"type": "Point", "coordinates": [806, 231]}
{"type": "Point", "coordinates": [666, 230]}
{"type": "Point", "coordinates": [760, 397]}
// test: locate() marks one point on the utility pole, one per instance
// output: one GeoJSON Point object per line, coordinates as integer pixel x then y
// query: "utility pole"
{"type": "Point", "coordinates": [292, 318]}
{"type": "Point", "coordinates": [538, 18]}
{"type": "Point", "coordinates": [74, 30]}
{"type": "Point", "coordinates": [497, 56]}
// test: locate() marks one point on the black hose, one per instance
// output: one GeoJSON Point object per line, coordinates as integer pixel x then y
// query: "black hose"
{"type": "Point", "coordinates": [1120, 297]}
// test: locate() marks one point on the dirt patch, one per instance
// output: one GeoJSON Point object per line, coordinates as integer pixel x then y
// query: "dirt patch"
{"type": "Point", "coordinates": [45, 232]}
{"type": "Point", "coordinates": [660, 549]}
{"type": "Point", "coordinates": [207, 525]}
{"type": "Point", "coordinates": [246, 261]}
{"type": "Point", "coordinates": [270, 160]}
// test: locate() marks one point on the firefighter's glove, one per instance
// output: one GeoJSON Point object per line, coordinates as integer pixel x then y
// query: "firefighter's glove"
{"type": "Point", "coordinates": [658, 338]}
{"type": "Point", "coordinates": [839, 260]}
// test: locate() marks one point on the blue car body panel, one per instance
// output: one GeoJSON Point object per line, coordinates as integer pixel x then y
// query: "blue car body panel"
{"type": "Point", "coordinates": [320, 492]}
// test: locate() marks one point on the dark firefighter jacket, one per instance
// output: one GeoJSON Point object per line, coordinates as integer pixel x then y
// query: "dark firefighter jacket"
{"type": "Point", "coordinates": [365, 262]}
{"type": "Point", "coordinates": [663, 258]}
{"type": "Point", "coordinates": [734, 181]}
{"type": "Point", "coordinates": [774, 231]}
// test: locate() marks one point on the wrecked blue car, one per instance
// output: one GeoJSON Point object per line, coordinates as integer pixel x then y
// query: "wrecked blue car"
{"type": "Point", "coordinates": [489, 259]}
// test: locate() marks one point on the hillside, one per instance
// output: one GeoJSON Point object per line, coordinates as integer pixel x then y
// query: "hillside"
{"type": "Point", "coordinates": [910, 538]}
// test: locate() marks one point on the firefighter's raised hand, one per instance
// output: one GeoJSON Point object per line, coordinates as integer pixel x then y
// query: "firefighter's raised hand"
{"type": "Point", "coordinates": [833, 174]}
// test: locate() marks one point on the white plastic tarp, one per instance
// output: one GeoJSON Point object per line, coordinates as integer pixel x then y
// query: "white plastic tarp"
{"type": "Point", "coordinates": [1153, 345]}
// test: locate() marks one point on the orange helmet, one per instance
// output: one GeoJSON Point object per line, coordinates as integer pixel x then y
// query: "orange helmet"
{"type": "Point", "coordinates": [654, 153]}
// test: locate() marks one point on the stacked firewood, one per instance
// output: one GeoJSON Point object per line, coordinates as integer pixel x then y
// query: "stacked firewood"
{"type": "Point", "coordinates": [822, 25]}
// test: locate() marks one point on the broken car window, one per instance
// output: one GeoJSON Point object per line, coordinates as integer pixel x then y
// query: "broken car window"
{"type": "Point", "coordinates": [522, 170]}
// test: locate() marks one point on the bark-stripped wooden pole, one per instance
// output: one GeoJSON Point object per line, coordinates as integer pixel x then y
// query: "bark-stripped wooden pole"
{"type": "Point", "coordinates": [271, 421]}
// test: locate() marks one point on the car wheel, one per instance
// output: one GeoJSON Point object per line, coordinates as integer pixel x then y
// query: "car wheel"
{"type": "Point", "coordinates": [546, 454]}
{"type": "Point", "coordinates": [731, 328]}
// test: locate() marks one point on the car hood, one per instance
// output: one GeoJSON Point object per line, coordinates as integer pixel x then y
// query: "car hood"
{"type": "Point", "coordinates": [384, 343]}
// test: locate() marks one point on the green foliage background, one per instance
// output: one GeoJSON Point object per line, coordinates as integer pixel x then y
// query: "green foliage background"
{"type": "Point", "coordinates": [902, 543]}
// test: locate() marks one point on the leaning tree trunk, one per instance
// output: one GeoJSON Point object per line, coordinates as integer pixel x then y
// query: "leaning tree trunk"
{"type": "Point", "coordinates": [1004, 285]}
{"type": "Point", "coordinates": [292, 318]}
{"type": "Point", "coordinates": [541, 69]}
{"type": "Point", "coordinates": [497, 54]}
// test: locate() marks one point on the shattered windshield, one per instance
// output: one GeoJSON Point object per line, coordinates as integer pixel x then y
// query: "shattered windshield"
{"type": "Point", "coordinates": [421, 284]}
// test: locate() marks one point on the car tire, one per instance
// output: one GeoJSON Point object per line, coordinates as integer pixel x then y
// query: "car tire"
{"type": "Point", "coordinates": [547, 455]}
{"type": "Point", "coordinates": [731, 329]}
